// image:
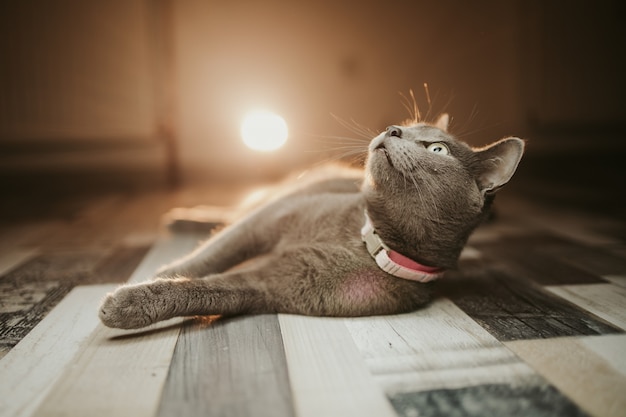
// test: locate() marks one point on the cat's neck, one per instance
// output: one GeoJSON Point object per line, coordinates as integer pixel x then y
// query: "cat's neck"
{"type": "Point", "coordinates": [392, 261]}
{"type": "Point", "coordinates": [434, 242]}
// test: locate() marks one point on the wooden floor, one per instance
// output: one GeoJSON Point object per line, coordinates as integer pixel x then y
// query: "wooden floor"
{"type": "Point", "coordinates": [532, 324]}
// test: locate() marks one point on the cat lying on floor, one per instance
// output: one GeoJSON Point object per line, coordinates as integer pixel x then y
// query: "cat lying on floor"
{"type": "Point", "coordinates": [362, 243]}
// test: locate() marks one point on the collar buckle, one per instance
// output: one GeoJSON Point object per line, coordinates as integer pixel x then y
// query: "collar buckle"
{"type": "Point", "coordinates": [372, 241]}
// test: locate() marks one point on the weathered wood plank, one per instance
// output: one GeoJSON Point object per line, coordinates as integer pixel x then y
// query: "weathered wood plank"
{"type": "Point", "coordinates": [438, 361]}
{"type": "Point", "coordinates": [580, 370]}
{"type": "Point", "coordinates": [530, 399]}
{"type": "Point", "coordinates": [140, 214]}
{"type": "Point", "coordinates": [120, 264]}
{"type": "Point", "coordinates": [231, 367]}
{"type": "Point", "coordinates": [576, 226]}
{"type": "Point", "coordinates": [328, 376]}
{"type": "Point", "coordinates": [596, 260]}
{"type": "Point", "coordinates": [438, 347]}
{"type": "Point", "coordinates": [616, 279]}
{"type": "Point", "coordinates": [115, 374]}
{"type": "Point", "coordinates": [12, 258]}
{"type": "Point", "coordinates": [164, 252]}
{"type": "Point", "coordinates": [604, 300]}
{"type": "Point", "coordinates": [66, 266]}
{"type": "Point", "coordinates": [31, 368]}
{"type": "Point", "coordinates": [119, 372]}
{"type": "Point", "coordinates": [512, 308]}
{"type": "Point", "coordinates": [29, 234]}
{"type": "Point", "coordinates": [28, 292]}
{"type": "Point", "coordinates": [84, 219]}
{"type": "Point", "coordinates": [611, 348]}
{"type": "Point", "coordinates": [23, 306]}
{"type": "Point", "coordinates": [530, 257]}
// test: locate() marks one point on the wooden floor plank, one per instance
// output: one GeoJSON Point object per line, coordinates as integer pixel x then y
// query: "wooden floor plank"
{"type": "Point", "coordinates": [438, 361]}
{"type": "Point", "coordinates": [438, 347]}
{"type": "Point", "coordinates": [29, 291]}
{"type": "Point", "coordinates": [596, 260]}
{"type": "Point", "coordinates": [63, 266]}
{"type": "Point", "coordinates": [328, 376]}
{"type": "Point", "coordinates": [607, 301]}
{"type": "Point", "coordinates": [32, 367]}
{"type": "Point", "coordinates": [28, 234]}
{"type": "Point", "coordinates": [610, 347]}
{"type": "Point", "coordinates": [119, 372]}
{"type": "Point", "coordinates": [616, 279]}
{"type": "Point", "coordinates": [580, 371]}
{"type": "Point", "coordinates": [115, 374]}
{"type": "Point", "coordinates": [531, 399]}
{"type": "Point", "coordinates": [511, 307]}
{"type": "Point", "coordinates": [538, 258]}
{"type": "Point", "coordinates": [84, 220]}
{"type": "Point", "coordinates": [120, 264]}
{"type": "Point", "coordinates": [138, 215]}
{"type": "Point", "coordinates": [576, 226]}
{"type": "Point", "coordinates": [164, 252]}
{"type": "Point", "coordinates": [24, 304]}
{"type": "Point", "coordinates": [549, 270]}
{"type": "Point", "coordinates": [231, 367]}
{"type": "Point", "coordinates": [11, 258]}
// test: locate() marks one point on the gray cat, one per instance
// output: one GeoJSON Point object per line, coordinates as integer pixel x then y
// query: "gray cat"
{"type": "Point", "coordinates": [362, 243]}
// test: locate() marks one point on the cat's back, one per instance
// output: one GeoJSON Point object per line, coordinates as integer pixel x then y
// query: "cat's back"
{"type": "Point", "coordinates": [328, 211]}
{"type": "Point", "coordinates": [330, 178]}
{"type": "Point", "coordinates": [321, 205]}
{"type": "Point", "coordinates": [327, 193]}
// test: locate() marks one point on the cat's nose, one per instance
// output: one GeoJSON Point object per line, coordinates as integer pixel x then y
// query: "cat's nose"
{"type": "Point", "coordinates": [394, 131]}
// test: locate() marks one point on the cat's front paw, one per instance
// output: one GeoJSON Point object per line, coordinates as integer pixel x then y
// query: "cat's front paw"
{"type": "Point", "coordinates": [127, 308]}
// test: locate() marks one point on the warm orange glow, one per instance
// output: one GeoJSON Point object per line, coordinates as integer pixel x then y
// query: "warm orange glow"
{"type": "Point", "coordinates": [264, 131]}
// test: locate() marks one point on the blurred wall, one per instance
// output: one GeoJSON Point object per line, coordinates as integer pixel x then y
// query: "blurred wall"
{"type": "Point", "coordinates": [75, 69]}
{"type": "Point", "coordinates": [176, 77]}
{"type": "Point", "coordinates": [78, 91]}
{"type": "Point", "coordinates": [573, 67]}
{"type": "Point", "coordinates": [309, 60]}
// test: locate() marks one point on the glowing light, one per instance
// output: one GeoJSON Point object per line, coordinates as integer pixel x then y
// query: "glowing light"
{"type": "Point", "coordinates": [264, 131]}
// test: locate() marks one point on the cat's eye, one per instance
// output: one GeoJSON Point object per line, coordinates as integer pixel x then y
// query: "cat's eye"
{"type": "Point", "coordinates": [438, 148]}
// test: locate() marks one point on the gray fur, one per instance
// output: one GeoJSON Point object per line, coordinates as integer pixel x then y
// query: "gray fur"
{"type": "Point", "coordinates": [302, 252]}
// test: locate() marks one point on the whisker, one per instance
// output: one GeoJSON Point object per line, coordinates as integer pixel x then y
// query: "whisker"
{"type": "Point", "coordinates": [339, 150]}
{"type": "Point", "coordinates": [355, 127]}
{"type": "Point", "coordinates": [408, 109]}
{"type": "Point", "coordinates": [430, 104]}
{"type": "Point", "coordinates": [411, 106]}
{"type": "Point", "coordinates": [341, 139]}
{"type": "Point", "coordinates": [416, 110]}
{"type": "Point", "coordinates": [363, 127]}
{"type": "Point", "coordinates": [352, 161]}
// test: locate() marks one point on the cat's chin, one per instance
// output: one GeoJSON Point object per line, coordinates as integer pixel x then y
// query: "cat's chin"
{"type": "Point", "coordinates": [381, 151]}
{"type": "Point", "coordinates": [386, 153]}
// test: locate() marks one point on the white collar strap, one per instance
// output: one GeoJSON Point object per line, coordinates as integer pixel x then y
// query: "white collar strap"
{"type": "Point", "coordinates": [393, 262]}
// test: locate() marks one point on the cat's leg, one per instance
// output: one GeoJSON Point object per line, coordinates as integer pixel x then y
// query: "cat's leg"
{"type": "Point", "coordinates": [310, 281]}
{"type": "Point", "coordinates": [136, 306]}
{"type": "Point", "coordinates": [243, 240]}
{"type": "Point", "coordinates": [280, 282]}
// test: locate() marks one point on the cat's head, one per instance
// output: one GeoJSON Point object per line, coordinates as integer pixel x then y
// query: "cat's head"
{"type": "Point", "coordinates": [426, 190]}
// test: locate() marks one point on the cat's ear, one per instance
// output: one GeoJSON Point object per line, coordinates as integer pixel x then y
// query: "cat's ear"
{"type": "Point", "coordinates": [442, 122]}
{"type": "Point", "coordinates": [498, 163]}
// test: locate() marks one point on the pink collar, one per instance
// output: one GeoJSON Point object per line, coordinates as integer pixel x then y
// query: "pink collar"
{"type": "Point", "coordinates": [393, 262]}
